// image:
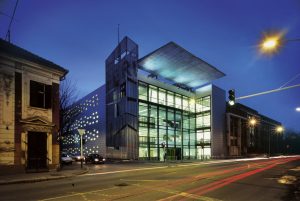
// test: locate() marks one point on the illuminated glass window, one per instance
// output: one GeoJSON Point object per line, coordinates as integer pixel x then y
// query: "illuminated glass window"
{"type": "Point", "coordinates": [152, 116]}
{"type": "Point", "coordinates": [143, 93]}
{"type": "Point", "coordinates": [162, 97]}
{"type": "Point", "coordinates": [192, 104]}
{"type": "Point", "coordinates": [143, 152]}
{"type": "Point", "coordinates": [153, 152]}
{"type": "Point", "coordinates": [162, 117]}
{"type": "Point", "coordinates": [170, 99]}
{"type": "Point", "coordinates": [203, 120]}
{"type": "Point", "coordinates": [185, 103]}
{"type": "Point", "coordinates": [153, 94]}
{"type": "Point", "coordinates": [178, 103]}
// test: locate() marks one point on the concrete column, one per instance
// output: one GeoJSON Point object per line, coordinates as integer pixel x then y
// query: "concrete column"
{"type": "Point", "coordinates": [24, 142]}
{"type": "Point", "coordinates": [49, 147]}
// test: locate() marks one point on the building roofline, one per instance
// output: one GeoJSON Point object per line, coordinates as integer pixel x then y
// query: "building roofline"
{"type": "Point", "coordinates": [191, 54]}
{"type": "Point", "coordinates": [187, 69]}
{"type": "Point", "coordinates": [16, 51]}
{"type": "Point", "coordinates": [254, 112]}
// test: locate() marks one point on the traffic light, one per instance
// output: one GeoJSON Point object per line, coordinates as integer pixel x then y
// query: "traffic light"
{"type": "Point", "coordinates": [231, 97]}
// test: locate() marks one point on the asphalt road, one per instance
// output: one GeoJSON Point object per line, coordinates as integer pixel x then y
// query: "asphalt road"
{"type": "Point", "coordinates": [268, 179]}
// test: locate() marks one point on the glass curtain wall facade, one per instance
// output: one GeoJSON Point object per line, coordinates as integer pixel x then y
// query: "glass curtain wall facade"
{"type": "Point", "coordinates": [203, 127]}
{"type": "Point", "coordinates": [172, 126]}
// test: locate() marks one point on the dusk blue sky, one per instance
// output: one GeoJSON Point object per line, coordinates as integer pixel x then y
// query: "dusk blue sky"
{"type": "Point", "coordinates": [79, 35]}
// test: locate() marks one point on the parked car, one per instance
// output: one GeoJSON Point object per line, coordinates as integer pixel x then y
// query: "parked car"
{"type": "Point", "coordinates": [66, 159]}
{"type": "Point", "coordinates": [94, 158]}
{"type": "Point", "coordinates": [77, 158]}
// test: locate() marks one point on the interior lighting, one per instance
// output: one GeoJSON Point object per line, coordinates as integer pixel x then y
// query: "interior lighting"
{"type": "Point", "coordinates": [192, 101]}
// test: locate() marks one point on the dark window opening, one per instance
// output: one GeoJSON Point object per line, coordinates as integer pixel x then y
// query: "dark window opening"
{"type": "Point", "coordinates": [123, 90]}
{"type": "Point", "coordinates": [40, 95]}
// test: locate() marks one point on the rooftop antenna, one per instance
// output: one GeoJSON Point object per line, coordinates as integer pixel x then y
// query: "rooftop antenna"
{"type": "Point", "coordinates": [119, 48]}
{"type": "Point", "coordinates": [118, 34]}
{"type": "Point", "coordinates": [7, 37]}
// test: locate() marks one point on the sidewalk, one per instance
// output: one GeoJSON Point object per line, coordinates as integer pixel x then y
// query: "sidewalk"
{"type": "Point", "coordinates": [19, 176]}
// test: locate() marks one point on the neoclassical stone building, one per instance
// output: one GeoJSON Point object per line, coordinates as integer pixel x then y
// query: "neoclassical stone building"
{"type": "Point", "coordinates": [29, 109]}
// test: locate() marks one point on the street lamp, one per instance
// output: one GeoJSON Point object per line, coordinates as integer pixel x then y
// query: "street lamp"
{"type": "Point", "coordinates": [271, 42]}
{"type": "Point", "coordinates": [279, 129]}
{"type": "Point", "coordinates": [252, 121]}
{"type": "Point", "coordinates": [298, 109]}
{"type": "Point", "coordinates": [81, 132]}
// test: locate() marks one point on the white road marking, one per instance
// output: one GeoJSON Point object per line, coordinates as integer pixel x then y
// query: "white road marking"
{"type": "Point", "coordinates": [75, 194]}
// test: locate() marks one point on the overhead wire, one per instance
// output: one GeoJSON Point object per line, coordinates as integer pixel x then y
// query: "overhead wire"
{"type": "Point", "coordinates": [293, 78]}
{"type": "Point", "coordinates": [7, 37]}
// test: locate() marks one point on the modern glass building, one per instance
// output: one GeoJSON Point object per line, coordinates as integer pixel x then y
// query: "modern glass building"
{"type": "Point", "coordinates": [162, 106]}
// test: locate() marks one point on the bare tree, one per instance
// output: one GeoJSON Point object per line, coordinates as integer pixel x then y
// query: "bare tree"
{"type": "Point", "coordinates": [68, 113]}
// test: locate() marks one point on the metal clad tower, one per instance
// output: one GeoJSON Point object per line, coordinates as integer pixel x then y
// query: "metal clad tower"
{"type": "Point", "coordinates": [122, 100]}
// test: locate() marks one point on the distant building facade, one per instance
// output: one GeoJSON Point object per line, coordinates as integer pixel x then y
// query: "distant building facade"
{"type": "Point", "coordinates": [29, 109]}
{"type": "Point", "coordinates": [250, 133]}
{"type": "Point", "coordinates": [91, 117]}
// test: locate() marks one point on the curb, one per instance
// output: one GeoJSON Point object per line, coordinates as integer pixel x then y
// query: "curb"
{"type": "Point", "coordinates": [19, 181]}
{"type": "Point", "coordinates": [40, 179]}
{"type": "Point", "coordinates": [82, 172]}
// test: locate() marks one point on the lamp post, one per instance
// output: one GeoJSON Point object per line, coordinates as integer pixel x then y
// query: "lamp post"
{"type": "Point", "coordinates": [252, 123]}
{"type": "Point", "coordinates": [279, 130]}
{"type": "Point", "coordinates": [81, 132]}
{"type": "Point", "coordinates": [272, 42]}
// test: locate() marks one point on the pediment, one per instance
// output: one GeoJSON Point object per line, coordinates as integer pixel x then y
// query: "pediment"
{"type": "Point", "coordinates": [37, 121]}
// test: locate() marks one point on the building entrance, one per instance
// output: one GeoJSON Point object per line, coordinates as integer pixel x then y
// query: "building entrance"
{"type": "Point", "coordinates": [173, 153]}
{"type": "Point", "coordinates": [37, 151]}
